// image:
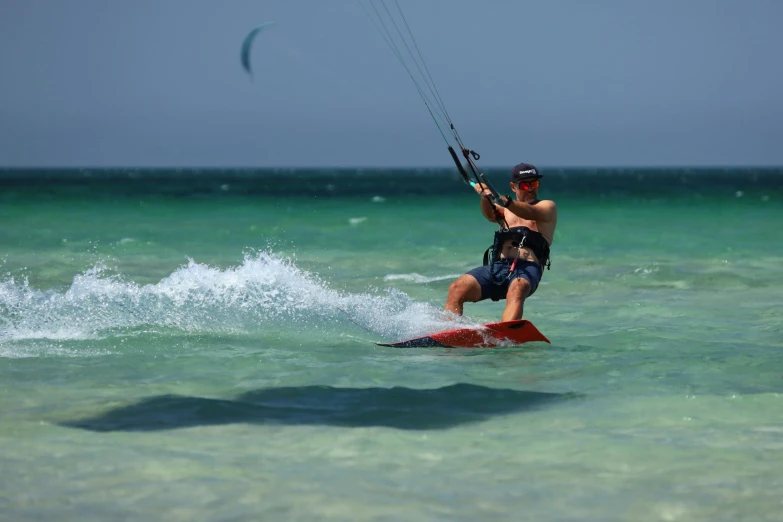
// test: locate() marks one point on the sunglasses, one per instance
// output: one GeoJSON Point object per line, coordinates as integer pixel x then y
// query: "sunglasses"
{"type": "Point", "coordinates": [527, 185]}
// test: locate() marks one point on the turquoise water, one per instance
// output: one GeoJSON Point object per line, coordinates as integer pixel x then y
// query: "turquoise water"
{"type": "Point", "coordinates": [204, 350]}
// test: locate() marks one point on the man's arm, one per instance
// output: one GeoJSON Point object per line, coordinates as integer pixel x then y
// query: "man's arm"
{"type": "Point", "coordinates": [487, 207]}
{"type": "Point", "coordinates": [542, 211]}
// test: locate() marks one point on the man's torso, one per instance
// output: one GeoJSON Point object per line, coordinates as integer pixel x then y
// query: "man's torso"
{"type": "Point", "coordinates": [546, 229]}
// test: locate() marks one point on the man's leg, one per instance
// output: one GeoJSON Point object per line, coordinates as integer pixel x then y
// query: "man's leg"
{"type": "Point", "coordinates": [518, 291]}
{"type": "Point", "coordinates": [465, 289]}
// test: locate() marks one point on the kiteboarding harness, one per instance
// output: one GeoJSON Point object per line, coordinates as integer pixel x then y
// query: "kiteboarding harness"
{"type": "Point", "coordinates": [526, 237]}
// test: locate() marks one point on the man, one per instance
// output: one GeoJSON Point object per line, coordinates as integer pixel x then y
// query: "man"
{"type": "Point", "coordinates": [520, 250]}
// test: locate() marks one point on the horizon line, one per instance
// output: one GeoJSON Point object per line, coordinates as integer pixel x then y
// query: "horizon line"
{"type": "Point", "coordinates": [382, 167]}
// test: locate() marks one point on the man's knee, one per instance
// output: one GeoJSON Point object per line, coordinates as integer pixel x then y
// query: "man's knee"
{"type": "Point", "coordinates": [519, 289]}
{"type": "Point", "coordinates": [465, 288]}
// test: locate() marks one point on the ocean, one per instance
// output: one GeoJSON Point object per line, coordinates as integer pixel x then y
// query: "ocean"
{"type": "Point", "coordinates": [199, 344]}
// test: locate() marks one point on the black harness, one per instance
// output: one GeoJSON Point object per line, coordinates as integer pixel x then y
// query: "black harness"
{"type": "Point", "coordinates": [531, 239]}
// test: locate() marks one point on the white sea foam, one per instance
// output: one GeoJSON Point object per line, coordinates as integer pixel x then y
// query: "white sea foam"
{"type": "Point", "coordinates": [262, 294]}
{"type": "Point", "coordinates": [418, 278]}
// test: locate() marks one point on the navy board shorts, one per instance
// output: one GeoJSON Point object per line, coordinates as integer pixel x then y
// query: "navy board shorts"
{"type": "Point", "coordinates": [494, 279]}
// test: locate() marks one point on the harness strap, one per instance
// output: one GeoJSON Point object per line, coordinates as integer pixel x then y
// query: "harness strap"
{"type": "Point", "coordinates": [527, 238]}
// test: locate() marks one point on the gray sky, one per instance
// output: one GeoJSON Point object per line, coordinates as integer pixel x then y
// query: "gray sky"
{"type": "Point", "coordinates": [549, 82]}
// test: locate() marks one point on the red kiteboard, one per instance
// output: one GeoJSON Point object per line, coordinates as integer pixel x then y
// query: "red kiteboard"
{"type": "Point", "coordinates": [489, 335]}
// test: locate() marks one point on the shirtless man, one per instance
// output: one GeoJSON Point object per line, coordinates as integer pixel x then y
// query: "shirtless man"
{"type": "Point", "coordinates": [520, 252]}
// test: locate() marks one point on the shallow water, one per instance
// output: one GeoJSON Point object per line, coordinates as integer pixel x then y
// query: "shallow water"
{"type": "Point", "coordinates": [212, 357]}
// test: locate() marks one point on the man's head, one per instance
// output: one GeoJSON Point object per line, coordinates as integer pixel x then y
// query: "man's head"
{"type": "Point", "coordinates": [524, 181]}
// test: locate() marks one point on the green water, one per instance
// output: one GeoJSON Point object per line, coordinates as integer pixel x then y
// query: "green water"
{"type": "Point", "coordinates": [210, 356]}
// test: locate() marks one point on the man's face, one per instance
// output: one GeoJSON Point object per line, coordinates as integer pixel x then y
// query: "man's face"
{"type": "Point", "coordinates": [525, 188]}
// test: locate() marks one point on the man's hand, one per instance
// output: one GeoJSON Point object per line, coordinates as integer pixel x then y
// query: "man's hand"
{"type": "Point", "coordinates": [502, 201]}
{"type": "Point", "coordinates": [481, 189]}
{"type": "Point", "coordinates": [484, 191]}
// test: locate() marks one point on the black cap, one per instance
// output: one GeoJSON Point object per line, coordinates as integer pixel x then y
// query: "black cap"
{"type": "Point", "coordinates": [524, 171]}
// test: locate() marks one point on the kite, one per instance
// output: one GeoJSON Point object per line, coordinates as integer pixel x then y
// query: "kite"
{"type": "Point", "coordinates": [248, 43]}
